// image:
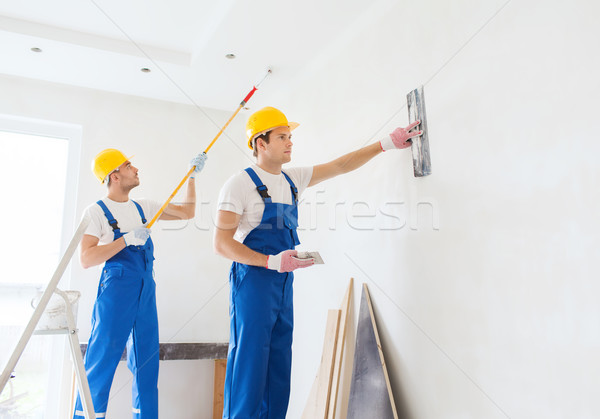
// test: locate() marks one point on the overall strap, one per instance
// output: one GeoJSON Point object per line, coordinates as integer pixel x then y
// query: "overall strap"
{"type": "Point", "coordinates": [260, 186]}
{"type": "Point", "coordinates": [292, 187]}
{"type": "Point", "coordinates": [140, 210]}
{"type": "Point", "coordinates": [111, 220]}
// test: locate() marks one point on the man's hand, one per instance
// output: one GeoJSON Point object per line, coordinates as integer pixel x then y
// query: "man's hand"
{"type": "Point", "coordinates": [400, 138]}
{"type": "Point", "coordinates": [287, 261]}
{"type": "Point", "coordinates": [198, 163]}
{"type": "Point", "coordinates": [137, 236]}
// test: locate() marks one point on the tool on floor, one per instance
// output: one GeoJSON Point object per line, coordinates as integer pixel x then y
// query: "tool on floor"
{"type": "Point", "coordinates": [420, 145]}
{"type": "Point", "coordinates": [189, 173]}
{"type": "Point", "coordinates": [58, 318]}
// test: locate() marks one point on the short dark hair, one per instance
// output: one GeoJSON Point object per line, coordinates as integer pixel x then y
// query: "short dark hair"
{"type": "Point", "coordinates": [264, 137]}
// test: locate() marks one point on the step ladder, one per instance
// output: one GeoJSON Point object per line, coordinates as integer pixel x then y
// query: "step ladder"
{"type": "Point", "coordinates": [56, 316]}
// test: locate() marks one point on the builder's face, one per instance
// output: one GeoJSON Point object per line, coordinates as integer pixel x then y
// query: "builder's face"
{"type": "Point", "coordinates": [279, 148]}
{"type": "Point", "coordinates": [128, 176]}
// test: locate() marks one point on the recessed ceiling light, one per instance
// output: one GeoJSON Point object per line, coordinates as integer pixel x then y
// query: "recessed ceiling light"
{"type": "Point", "coordinates": [145, 70]}
{"type": "Point", "coordinates": [36, 49]}
{"type": "Point", "coordinates": [230, 56]}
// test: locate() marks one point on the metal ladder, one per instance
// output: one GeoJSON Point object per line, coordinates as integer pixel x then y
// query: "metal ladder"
{"type": "Point", "coordinates": [66, 325]}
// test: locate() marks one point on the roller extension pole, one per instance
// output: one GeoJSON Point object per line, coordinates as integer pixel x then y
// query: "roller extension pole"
{"type": "Point", "coordinates": [189, 173]}
{"type": "Point", "coordinates": [45, 298]}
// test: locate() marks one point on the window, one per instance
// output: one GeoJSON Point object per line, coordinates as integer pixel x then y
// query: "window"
{"type": "Point", "coordinates": [38, 178]}
{"type": "Point", "coordinates": [33, 174]}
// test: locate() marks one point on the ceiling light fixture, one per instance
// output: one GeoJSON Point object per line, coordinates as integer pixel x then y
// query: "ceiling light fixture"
{"type": "Point", "coordinates": [145, 70]}
{"type": "Point", "coordinates": [36, 49]}
{"type": "Point", "coordinates": [230, 56]}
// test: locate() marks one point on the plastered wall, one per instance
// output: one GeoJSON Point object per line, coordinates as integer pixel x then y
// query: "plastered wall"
{"type": "Point", "coordinates": [484, 285]}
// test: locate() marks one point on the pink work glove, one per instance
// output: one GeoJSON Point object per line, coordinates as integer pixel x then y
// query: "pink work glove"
{"type": "Point", "coordinates": [400, 138]}
{"type": "Point", "coordinates": [287, 261]}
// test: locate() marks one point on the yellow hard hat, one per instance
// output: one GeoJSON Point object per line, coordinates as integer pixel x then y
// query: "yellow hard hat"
{"type": "Point", "coordinates": [106, 161]}
{"type": "Point", "coordinates": [265, 120]}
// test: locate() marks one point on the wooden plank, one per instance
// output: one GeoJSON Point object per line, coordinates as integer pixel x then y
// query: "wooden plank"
{"type": "Point", "coordinates": [370, 391]}
{"type": "Point", "coordinates": [339, 352]}
{"type": "Point", "coordinates": [318, 402]}
{"type": "Point", "coordinates": [219, 388]}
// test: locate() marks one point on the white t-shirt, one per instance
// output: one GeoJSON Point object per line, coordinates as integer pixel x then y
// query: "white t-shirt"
{"type": "Point", "coordinates": [126, 214]}
{"type": "Point", "coordinates": [239, 194]}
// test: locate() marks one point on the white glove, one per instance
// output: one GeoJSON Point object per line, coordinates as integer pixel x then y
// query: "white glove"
{"type": "Point", "coordinates": [287, 261]}
{"type": "Point", "coordinates": [400, 137]}
{"type": "Point", "coordinates": [137, 236]}
{"type": "Point", "coordinates": [198, 163]}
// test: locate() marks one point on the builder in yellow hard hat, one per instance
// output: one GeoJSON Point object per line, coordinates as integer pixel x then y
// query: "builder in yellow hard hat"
{"type": "Point", "coordinates": [256, 228]}
{"type": "Point", "coordinates": [125, 309]}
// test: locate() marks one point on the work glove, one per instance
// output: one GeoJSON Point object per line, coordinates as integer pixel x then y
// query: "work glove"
{"type": "Point", "coordinates": [198, 162]}
{"type": "Point", "coordinates": [287, 261]}
{"type": "Point", "coordinates": [400, 137]}
{"type": "Point", "coordinates": [137, 236]}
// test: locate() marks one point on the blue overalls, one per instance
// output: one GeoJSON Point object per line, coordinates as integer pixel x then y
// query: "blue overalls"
{"type": "Point", "coordinates": [257, 381]}
{"type": "Point", "coordinates": [125, 315]}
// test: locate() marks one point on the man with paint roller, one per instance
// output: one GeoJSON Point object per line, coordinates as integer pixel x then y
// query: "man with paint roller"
{"type": "Point", "coordinates": [256, 228]}
{"type": "Point", "coordinates": [125, 313]}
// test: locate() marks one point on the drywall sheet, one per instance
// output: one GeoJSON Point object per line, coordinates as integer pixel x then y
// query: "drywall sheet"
{"type": "Point", "coordinates": [370, 392]}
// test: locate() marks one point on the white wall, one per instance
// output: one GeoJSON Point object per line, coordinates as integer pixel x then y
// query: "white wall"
{"type": "Point", "coordinates": [494, 314]}
{"type": "Point", "coordinates": [486, 301]}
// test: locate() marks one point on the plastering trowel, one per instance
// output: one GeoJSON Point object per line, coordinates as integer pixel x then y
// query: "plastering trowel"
{"type": "Point", "coordinates": [420, 145]}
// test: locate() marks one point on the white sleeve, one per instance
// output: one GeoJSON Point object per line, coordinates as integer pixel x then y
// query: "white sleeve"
{"type": "Point", "coordinates": [301, 177]}
{"type": "Point", "coordinates": [231, 197]}
{"type": "Point", "coordinates": [150, 207]}
{"type": "Point", "coordinates": [95, 213]}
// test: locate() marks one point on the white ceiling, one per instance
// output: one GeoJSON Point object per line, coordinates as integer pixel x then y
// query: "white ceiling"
{"type": "Point", "coordinates": [103, 44]}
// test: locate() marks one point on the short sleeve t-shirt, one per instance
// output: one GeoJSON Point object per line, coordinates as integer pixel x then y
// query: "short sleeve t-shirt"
{"type": "Point", "coordinates": [126, 214]}
{"type": "Point", "coordinates": [239, 194]}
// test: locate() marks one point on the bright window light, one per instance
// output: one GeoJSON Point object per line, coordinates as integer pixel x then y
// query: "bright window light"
{"type": "Point", "coordinates": [33, 173]}
{"type": "Point", "coordinates": [33, 177]}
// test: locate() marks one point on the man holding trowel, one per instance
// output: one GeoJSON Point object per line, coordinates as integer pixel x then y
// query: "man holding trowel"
{"type": "Point", "coordinates": [256, 228]}
{"type": "Point", "coordinates": [125, 308]}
